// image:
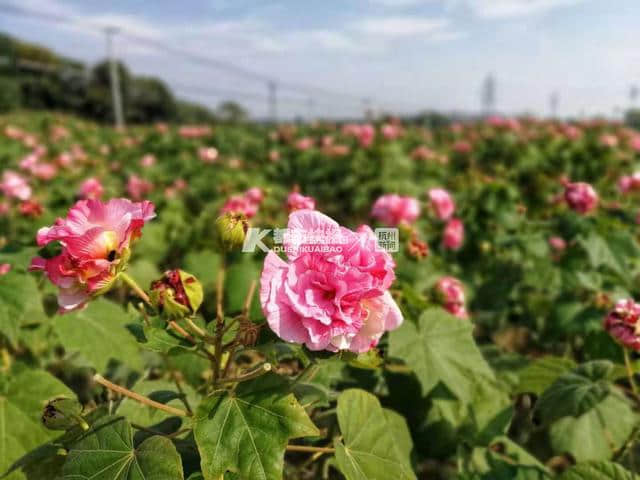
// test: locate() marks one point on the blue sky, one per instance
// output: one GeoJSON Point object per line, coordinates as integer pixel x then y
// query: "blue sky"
{"type": "Point", "coordinates": [405, 55]}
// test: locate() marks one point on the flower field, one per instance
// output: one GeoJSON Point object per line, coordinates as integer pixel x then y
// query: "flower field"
{"type": "Point", "coordinates": [355, 301]}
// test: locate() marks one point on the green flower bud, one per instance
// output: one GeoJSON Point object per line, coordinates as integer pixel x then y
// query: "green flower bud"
{"type": "Point", "coordinates": [231, 229]}
{"type": "Point", "coordinates": [177, 294]}
{"type": "Point", "coordinates": [63, 413]}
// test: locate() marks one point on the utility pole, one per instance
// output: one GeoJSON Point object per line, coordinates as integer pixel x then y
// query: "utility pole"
{"type": "Point", "coordinates": [633, 94]}
{"type": "Point", "coordinates": [554, 100]}
{"type": "Point", "coordinates": [273, 100]}
{"type": "Point", "coordinates": [310, 105]}
{"type": "Point", "coordinates": [367, 109]}
{"type": "Point", "coordinates": [114, 78]}
{"type": "Point", "coordinates": [488, 94]}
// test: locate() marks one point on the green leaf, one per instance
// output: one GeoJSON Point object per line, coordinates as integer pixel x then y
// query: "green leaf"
{"type": "Point", "coordinates": [376, 444]}
{"type": "Point", "coordinates": [161, 391]}
{"type": "Point", "coordinates": [158, 338]}
{"type": "Point", "coordinates": [19, 296]}
{"type": "Point", "coordinates": [98, 334]}
{"type": "Point", "coordinates": [576, 392]}
{"type": "Point", "coordinates": [597, 471]}
{"type": "Point", "coordinates": [236, 285]}
{"type": "Point", "coordinates": [204, 265]}
{"type": "Point", "coordinates": [106, 452]}
{"type": "Point", "coordinates": [247, 431]}
{"type": "Point", "coordinates": [541, 373]}
{"type": "Point", "coordinates": [440, 348]}
{"type": "Point", "coordinates": [22, 399]}
{"type": "Point", "coordinates": [596, 434]}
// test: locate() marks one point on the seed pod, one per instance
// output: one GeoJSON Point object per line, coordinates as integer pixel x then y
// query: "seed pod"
{"type": "Point", "coordinates": [177, 294]}
{"type": "Point", "coordinates": [231, 229]}
{"type": "Point", "coordinates": [63, 413]}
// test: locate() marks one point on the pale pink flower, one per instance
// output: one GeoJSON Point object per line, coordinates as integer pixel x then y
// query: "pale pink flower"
{"type": "Point", "coordinates": [29, 161]}
{"type": "Point", "coordinates": [138, 188]}
{"type": "Point", "coordinates": [453, 235]}
{"type": "Point", "coordinates": [558, 244]}
{"type": "Point", "coordinates": [91, 188]}
{"type": "Point", "coordinates": [622, 323]}
{"type": "Point", "coordinates": [4, 268]}
{"type": "Point", "coordinates": [442, 203]}
{"type": "Point", "coordinates": [634, 143]}
{"type": "Point", "coordinates": [148, 160]}
{"type": "Point", "coordinates": [5, 208]}
{"type": "Point", "coordinates": [625, 183]}
{"type": "Point", "coordinates": [255, 195]}
{"type": "Point", "coordinates": [392, 209]}
{"type": "Point", "coordinates": [65, 160]}
{"type": "Point", "coordinates": [581, 197]}
{"type": "Point", "coordinates": [390, 131]}
{"type": "Point", "coordinates": [451, 294]}
{"type": "Point", "coordinates": [274, 156]}
{"type": "Point", "coordinates": [13, 133]}
{"type": "Point", "coordinates": [336, 298]}
{"type": "Point", "coordinates": [423, 153]}
{"type": "Point", "coordinates": [462, 147]}
{"type": "Point", "coordinates": [571, 132]}
{"type": "Point", "coordinates": [14, 185]}
{"type": "Point", "coordinates": [194, 131]}
{"type": "Point", "coordinates": [94, 237]}
{"type": "Point", "coordinates": [44, 171]}
{"type": "Point", "coordinates": [240, 204]}
{"type": "Point", "coordinates": [208, 154]}
{"type": "Point", "coordinates": [304, 144]}
{"type": "Point", "coordinates": [608, 140]}
{"type": "Point", "coordinates": [297, 201]}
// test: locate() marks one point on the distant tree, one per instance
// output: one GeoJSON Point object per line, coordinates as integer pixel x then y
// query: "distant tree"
{"type": "Point", "coordinates": [232, 112]}
{"type": "Point", "coordinates": [632, 118]}
{"type": "Point", "coordinates": [188, 112]}
{"type": "Point", "coordinates": [149, 100]}
{"type": "Point", "coordinates": [98, 103]}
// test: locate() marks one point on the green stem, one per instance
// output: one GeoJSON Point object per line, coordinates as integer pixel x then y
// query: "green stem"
{"type": "Point", "coordinates": [258, 371]}
{"type": "Point", "coordinates": [627, 362]}
{"type": "Point", "coordinates": [131, 283]}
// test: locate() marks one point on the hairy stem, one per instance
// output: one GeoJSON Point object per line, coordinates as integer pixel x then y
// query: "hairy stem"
{"type": "Point", "coordinates": [131, 283]}
{"type": "Point", "coordinates": [304, 448]}
{"type": "Point", "coordinates": [627, 362]}
{"type": "Point", "coordinates": [137, 397]}
{"type": "Point", "coordinates": [256, 372]}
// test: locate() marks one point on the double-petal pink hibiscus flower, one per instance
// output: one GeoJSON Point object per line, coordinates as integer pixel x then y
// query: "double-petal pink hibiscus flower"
{"type": "Point", "coordinates": [95, 239]}
{"type": "Point", "coordinates": [332, 294]}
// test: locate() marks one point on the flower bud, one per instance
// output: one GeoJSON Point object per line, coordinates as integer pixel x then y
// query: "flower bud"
{"type": "Point", "coordinates": [449, 292]}
{"type": "Point", "coordinates": [622, 323]}
{"type": "Point", "coordinates": [231, 229]}
{"type": "Point", "coordinates": [177, 294]}
{"type": "Point", "coordinates": [63, 413]}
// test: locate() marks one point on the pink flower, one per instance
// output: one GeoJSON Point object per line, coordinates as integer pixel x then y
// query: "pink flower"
{"type": "Point", "coordinates": [255, 195]}
{"type": "Point", "coordinates": [44, 171]}
{"type": "Point", "coordinates": [390, 131]}
{"type": "Point", "coordinates": [423, 153]}
{"type": "Point", "coordinates": [95, 238]}
{"type": "Point", "coordinates": [208, 154]}
{"type": "Point", "coordinates": [558, 244]}
{"type": "Point", "coordinates": [15, 186]}
{"type": "Point", "coordinates": [453, 234]}
{"type": "Point", "coordinates": [5, 208]}
{"type": "Point", "coordinates": [462, 146]}
{"type": "Point", "coordinates": [4, 268]}
{"type": "Point", "coordinates": [194, 131]}
{"type": "Point", "coordinates": [65, 159]}
{"type": "Point", "coordinates": [91, 188]}
{"type": "Point", "coordinates": [635, 143]}
{"type": "Point", "coordinates": [608, 140]}
{"type": "Point", "coordinates": [304, 144]}
{"type": "Point", "coordinates": [28, 162]}
{"type": "Point", "coordinates": [581, 197]}
{"type": "Point", "coordinates": [148, 160]}
{"type": "Point", "coordinates": [366, 135]}
{"type": "Point", "coordinates": [240, 204]}
{"type": "Point", "coordinates": [622, 323]}
{"type": "Point", "coordinates": [450, 292]}
{"type": "Point", "coordinates": [442, 203]}
{"type": "Point", "coordinates": [138, 188]}
{"type": "Point", "coordinates": [31, 208]}
{"type": "Point", "coordinates": [297, 201]}
{"type": "Point", "coordinates": [333, 296]}
{"type": "Point", "coordinates": [392, 209]}
{"type": "Point", "coordinates": [625, 183]}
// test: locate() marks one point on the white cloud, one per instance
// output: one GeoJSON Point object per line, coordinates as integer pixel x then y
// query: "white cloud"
{"type": "Point", "coordinates": [401, 26]}
{"type": "Point", "coordinates": [495, 9]}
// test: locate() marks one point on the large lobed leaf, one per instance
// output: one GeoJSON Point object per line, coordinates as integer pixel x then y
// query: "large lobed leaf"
{"type": "Point", "coordinates": [376, 444]}
{"type": "Point", "coordinates": [22, 399]}
{"type": "Point", "coordinates": [440, 348]}
{"type": "Point", "coordinates": [98, 333]}
{"type": "Point", "coordinates": [247, 431]}
{"type": "Point", "coordinates": [107, 452]}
